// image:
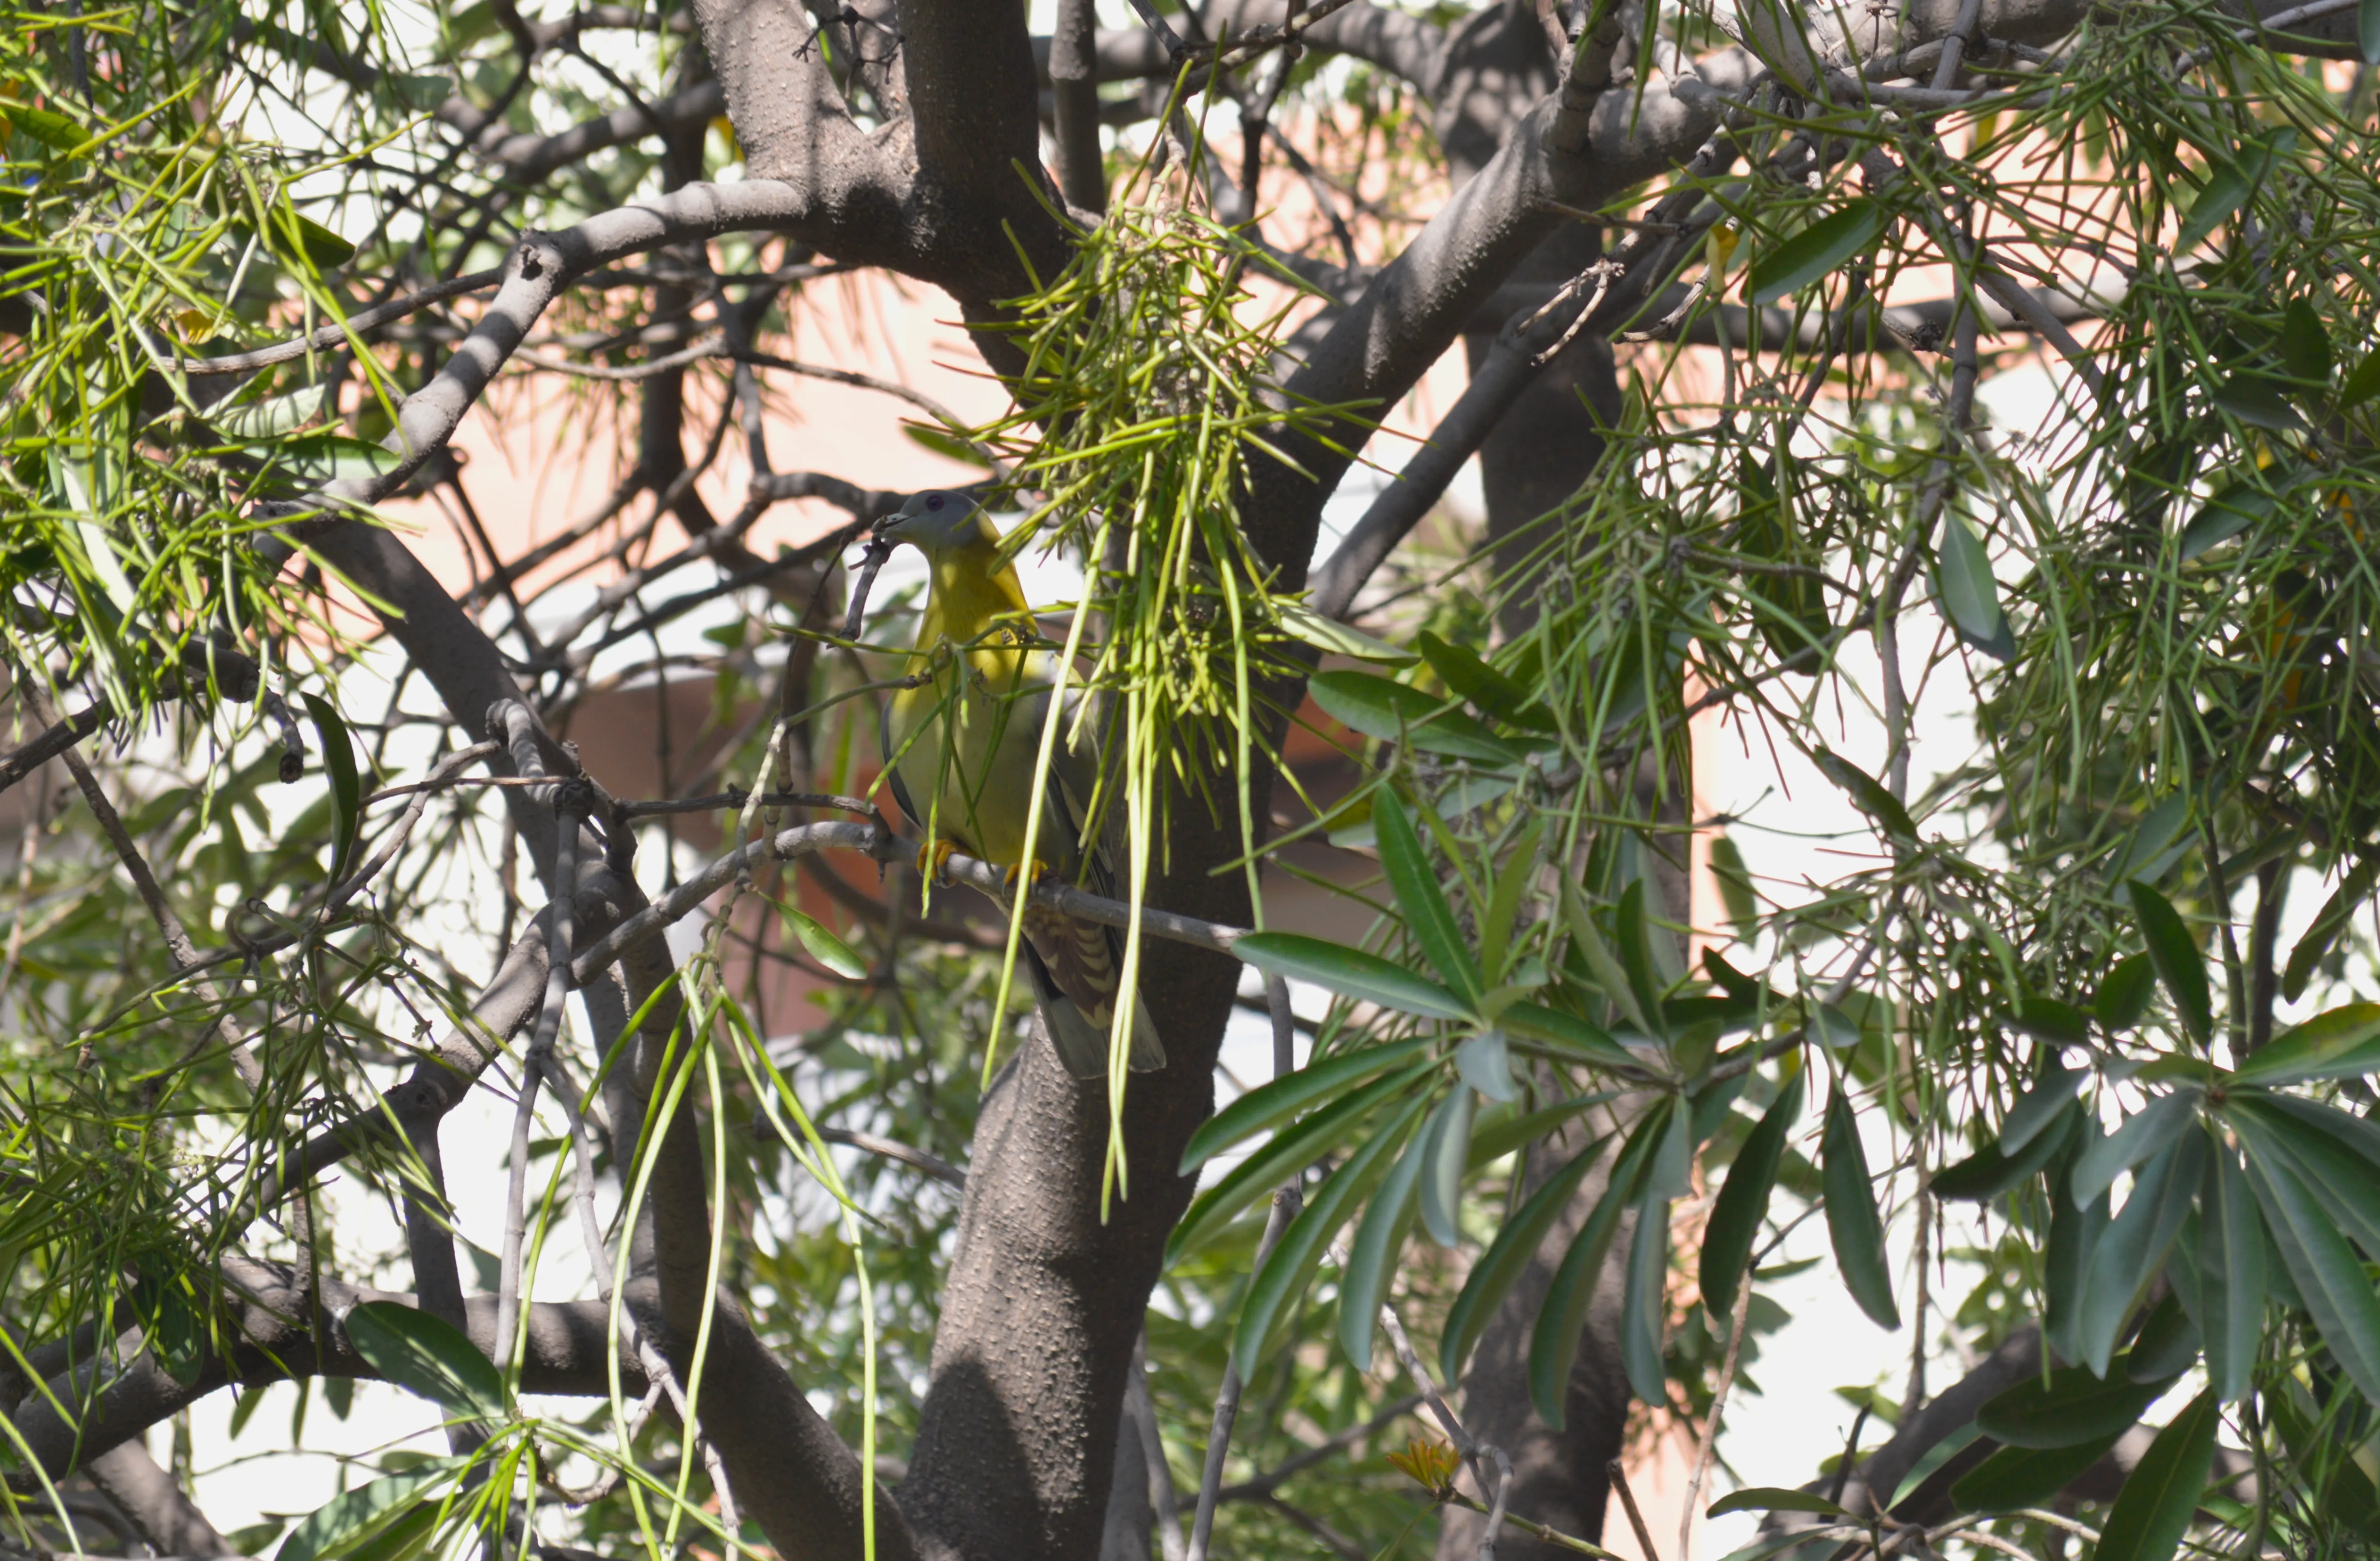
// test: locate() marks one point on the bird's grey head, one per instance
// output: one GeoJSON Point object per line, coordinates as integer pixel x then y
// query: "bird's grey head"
{"type": "Point", "coordinates": [933, 519]}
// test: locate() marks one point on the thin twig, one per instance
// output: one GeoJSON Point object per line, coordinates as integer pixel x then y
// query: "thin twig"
{"type": "Point", "coordinates": [1287, 1202]}
{"type": "Point", "coordinates": [1710, 1427]}
{"type": "Point", "coordinates": [559, 933]}
{"type": "Point", "coordinates": [1273, 1479]}
{"type": "Point", "coordinates": [868, 1143]}
{"type": "Point", "coordinates": [1534, 1530]}
{"type": "Point", "coordinates": [338, 336]}
{"type": "Point", "coordinates": [1636, 1515]}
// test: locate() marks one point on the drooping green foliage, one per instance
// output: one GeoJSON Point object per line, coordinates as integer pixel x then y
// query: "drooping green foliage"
{"type": "Point", "coordinates": [2041, 986]}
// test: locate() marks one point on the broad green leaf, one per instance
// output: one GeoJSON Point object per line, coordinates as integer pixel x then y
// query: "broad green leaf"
{"type": "Point", "coordinates": [2175, 955]}
{"type": "Point", "coordinates": [1483, 685]}
{"type": "Point", "coordinates": [1669, 1173]}
{"type": "Point", "coordinates": [1284, 1098]}
{"type": "Point", "coordinates": [2132, 1251]}
{"type": "Point", "coordinates": [1713, 1105]}
{"type": "Point", "coordinates": [2329, 1276]}
{"type": "Point", "coordinates": [1815, 251]}
{"type": "Point", "coordinates": [2343, 1042]}
{"type": "Point", "coordinates": [2305, 344]}
{"type": "Point", "coordinates": [1492, 1277]}
{"type": "Point", "coordinates": [2014, 1477]}
{"type": "Point", "coordinates": [1831, 1027]}
{"type": "Point", "coordinates": [1485, 1063]}
{"type": "Point", "coordinates": [311, 460]}
{"type": "Point", "coordinates": [1285, 1273]}
{"type": "Point", "coordinates": [1446, 1155]}
{"type": "Point", "coordinates": [1643, 1308]}
{"type": "Point", "coordinates": [1328, 634]}
{"type": "Point", "coordinates": [259, 422]}
{"type": "Point", "coordinates": [2229, 183]}
{"type": "Point", "coordinates": [1971, 596]}
{"type": "Point", "coordinates": [352, 1517]}
{"type": "Point", "coordinates": [347, 788]}
{"type": "Point", "coordinates": [2141, 1135]}
{"type": "Point", "coordinates": [1270, 1104]}
{"type": "Point", "coordinates": [2364, 382]}
{"type": "Point", "coordinates": [2154, 1509]}
{"type": "Point", "coordinates": [2360, 1135]}
{"type": "Point", "coordinates": [2367, 31]}
{"type": "Point", "coordinates": [1991, 1170]}
{"type": "Point", "coordinates": [1634, 930]}
{"type": "Point", "coordinates": [1398, 712]}
{"type": "Point", "coordinates": [1930, 1462]}
{"type": "Point", "coordinates": [1740, 988]}
{"type": "Point", "coordinates": [295, 236]}
{"type": "Point", "coordinates": [2257, 402]}
{"type": "Point", "coordinates": [1866, 793]}
{"type": "Point", "coordinates": [2327, 1165]}
{"type": "Point", "coordinates": [1742, 1202]}
{"type": "Point", "coordinates": [2151, 849]}
{"type": "Point", "coordinates": [2041, 1105]}
{"type": "Point", "coordinates": [1427, 914]}
{"type": "Point", "coordinates": [2074, 1236]}
{"type": "Point", "coordinates": [2071, 1408]}
{"type": "Point", "coordinates": [1377, 1243]}
{"type": "Point", "coordinates": [1553, 1343]}
{"type": "Point", "coordinates": [2167, 1344]}
{"type": "Point", "coordinates": [1601, 962]}
{"type": "Point", "coordinates": [823, 944]}
{"type": "Point", "coordinates": [2337, 912]}
{"type": "Point", "coordinates": [1351, 972]}
{"type": "Point", "coordinates": [48, 126]}
{"type": "Point", "coordinates": [426, 1356]}
{"type": "Point", "coordinates": [2124, 997]}
{"type": "Point", "coordinates": [1852, 1221]}
{"type": "Point", "coordinates": [2230, 1276]}
{"type": "Point", "coordinates": [1567, 1033]}
{"type": "Point", "coordinates": [2046, 1019]}
{"type": "Point", "coordinates": [1328, 1131]}
{"type": "Point", "coordinates": [1498, 1132]}
{"type": "Point", "coordinates": [1734, 881]}
{"type": "Point", "coordinates": [1773, 1498]}
{"type": "Point", "coordinates": [1514, 884]}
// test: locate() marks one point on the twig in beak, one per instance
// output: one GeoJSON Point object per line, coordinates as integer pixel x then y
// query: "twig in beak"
{"type": "Point", "coordinates": [879, 550]}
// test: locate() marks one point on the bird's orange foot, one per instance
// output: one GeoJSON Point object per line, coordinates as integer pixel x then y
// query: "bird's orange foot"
{"type": "Point", "coordinates": [934, 859]}
{"type": "Point", "coordinates": [1030, 872]}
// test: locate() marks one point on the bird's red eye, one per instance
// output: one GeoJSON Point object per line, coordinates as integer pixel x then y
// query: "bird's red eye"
{"type": "Point", "coordinates": [935, 502]}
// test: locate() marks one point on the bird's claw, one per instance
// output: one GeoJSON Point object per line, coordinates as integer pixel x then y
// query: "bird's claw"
{"type": "Point", "coordinates": [1030, 873]}
{"type": "Point", "coordinates": [934, 859]}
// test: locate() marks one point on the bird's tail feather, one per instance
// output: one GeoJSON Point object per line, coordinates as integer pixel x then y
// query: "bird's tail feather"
{"type": "Point", "coordinates": [1082, 1040]}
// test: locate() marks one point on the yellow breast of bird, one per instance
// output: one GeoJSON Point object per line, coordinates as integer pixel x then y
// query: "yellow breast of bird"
{"type": "Point", "coordinates": [966, 736]}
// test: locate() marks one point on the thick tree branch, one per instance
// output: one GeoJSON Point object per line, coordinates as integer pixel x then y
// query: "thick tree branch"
{"type": "Point", "coordinates": [529, 158]}
{"type": "Point", "coordinates": [128, 1392]}
{"type": "Point", "coordinates": [166, 1516]}
{"type": "Point", "coordinates": [1071, 57]}
{"type": "Point", "coordinates": [1575, 151]}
